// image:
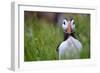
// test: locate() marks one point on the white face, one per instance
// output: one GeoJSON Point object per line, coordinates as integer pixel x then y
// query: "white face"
{"type": "Point", "coordinates": [67, 23]}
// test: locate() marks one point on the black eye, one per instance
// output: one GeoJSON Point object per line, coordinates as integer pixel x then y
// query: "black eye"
{"type": "Point", "coordinates": [64, 23]}
{"type": "Point", "coordinates": [73, 23]}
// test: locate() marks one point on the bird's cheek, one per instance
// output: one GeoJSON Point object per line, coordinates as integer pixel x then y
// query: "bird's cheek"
{"type": "Point", "coordinates": [73, 28]}
{"type": "Point", "coordinates": [64, 26]}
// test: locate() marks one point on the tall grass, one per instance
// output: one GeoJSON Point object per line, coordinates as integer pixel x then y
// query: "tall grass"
{"type": "Point", "coordinates": [42, 38]}
{"type": "Point", "coordinates": [83, 30]}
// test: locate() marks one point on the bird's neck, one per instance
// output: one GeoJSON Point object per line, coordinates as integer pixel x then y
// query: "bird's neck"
{"type": "Point", "coordinates": [67, 35]}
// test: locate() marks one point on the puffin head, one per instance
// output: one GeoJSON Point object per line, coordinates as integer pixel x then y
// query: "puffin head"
{"type": "Point", "coordinates": [68, 25]}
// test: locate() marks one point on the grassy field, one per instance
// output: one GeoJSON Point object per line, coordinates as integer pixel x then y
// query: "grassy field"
{"type": "Point", "coordinates": [42, 38]}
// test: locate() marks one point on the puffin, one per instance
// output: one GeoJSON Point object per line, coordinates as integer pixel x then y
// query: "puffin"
{"type": "Point", "coordinates": [70, 47]}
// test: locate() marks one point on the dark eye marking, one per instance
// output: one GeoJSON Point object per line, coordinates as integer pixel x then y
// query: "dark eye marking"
{"type": "Point", "coordinates": [64, 23]}
{"type": "Point", "coordinates": [73, 23]}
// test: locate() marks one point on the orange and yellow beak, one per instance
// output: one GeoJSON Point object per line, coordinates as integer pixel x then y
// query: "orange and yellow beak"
{"type": "Point", "coordinates": [69, 29]}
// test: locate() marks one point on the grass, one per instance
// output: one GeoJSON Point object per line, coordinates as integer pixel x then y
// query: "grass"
{"type": "Point", "coordinates": [41, 41]}
{"type": "Point", "coordinates": [42, 38]}
{"type": "Point", "coordinates": [84, 34]}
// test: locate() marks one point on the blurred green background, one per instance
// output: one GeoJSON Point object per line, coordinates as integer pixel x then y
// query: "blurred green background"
{"type": "Point", "coordinates": [43, 33]}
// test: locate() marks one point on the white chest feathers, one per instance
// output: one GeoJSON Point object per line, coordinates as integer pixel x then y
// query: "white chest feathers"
{"type": "Point", "coordinates": [70, 49]}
